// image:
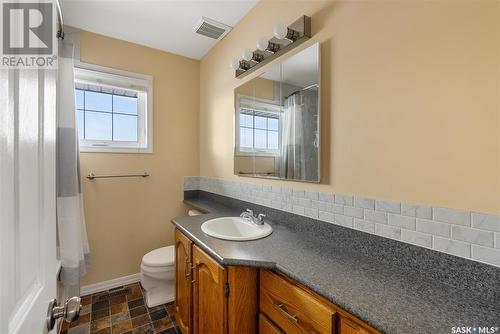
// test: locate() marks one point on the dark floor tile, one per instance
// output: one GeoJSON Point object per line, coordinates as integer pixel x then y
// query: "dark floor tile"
{"type": "Point", "coordinates": [170, 331]}
{"type": "Point", "coordinates": [137, 311]}
{"type": "Point", "coordinates": [86, 300]}
{"type": "Point", "coordinates": [100, 324]}
{"type": "Point", "coordinates": [156, 308]}
{"type": "Point", "coordinates": [136, 303]}
{"type": "Point", "coordinates": [119, 317]}
{"type": "Point", "coordinates": [171, 309]}
{"type": "Point", "coordinates": [103, 331]}
{"type": "Point", "coordinates": [64, 331]}
{"type": "Point", "coordinates": [103, 304]}
{"type": "Point", "coordinates": [122, 327]}
{"type": "Point", "coordinates": [140, 321]}
{"type": "Point", "coordinates": [82, 329]}
{"type": "Point", "coordinates": [119, 308]}
{"type": "Point", "coordinates": [100, 297]}
{"type": "Point", "coordinates": [80, 321]}
{"type": "Point", "coordinates": [157, 315]}
{"type": "Point", "coordinates": [147, 329]}
{"type": "Point", "coordinates": [99, 314]}
{"type": "Point", "coordinates": [162, 324]}
{"type": "Point", "coordinates": [117, 300]}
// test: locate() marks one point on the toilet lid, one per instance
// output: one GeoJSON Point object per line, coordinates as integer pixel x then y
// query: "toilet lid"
{"type": "Point", "coordinates": [160, 257]}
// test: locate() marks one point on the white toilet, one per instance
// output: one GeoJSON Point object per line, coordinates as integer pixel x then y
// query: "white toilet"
{"type": "Point", "coordinates": [158, 276]}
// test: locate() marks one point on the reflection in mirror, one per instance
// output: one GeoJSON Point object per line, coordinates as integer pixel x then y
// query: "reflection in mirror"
{"type": "Point", "coordinates": [277, 121]}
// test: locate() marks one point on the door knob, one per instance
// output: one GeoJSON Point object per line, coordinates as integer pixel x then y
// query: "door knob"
{"type": "Point", "coordinates": [70, 311]}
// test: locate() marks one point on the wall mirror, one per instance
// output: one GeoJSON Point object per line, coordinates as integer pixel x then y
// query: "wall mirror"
{"type": "Point", "coordinates": [277, 121]}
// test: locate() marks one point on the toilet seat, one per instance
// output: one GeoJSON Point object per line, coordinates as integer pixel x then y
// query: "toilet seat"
{"type": "Point", "coordinates": [161, 257]}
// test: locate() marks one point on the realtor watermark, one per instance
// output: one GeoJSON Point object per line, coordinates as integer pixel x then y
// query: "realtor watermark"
{"type": "Point", "coordinates": [28, 37]}
{"type": "Point", "coordinates": [475, 329]}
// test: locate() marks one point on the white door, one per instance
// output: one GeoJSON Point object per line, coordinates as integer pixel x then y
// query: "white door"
{"type": "Point", "coordinates": [28, 267]}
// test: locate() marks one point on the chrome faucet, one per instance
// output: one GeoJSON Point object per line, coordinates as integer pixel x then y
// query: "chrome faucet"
{"type": "Point", "coordinates": [248, 214]}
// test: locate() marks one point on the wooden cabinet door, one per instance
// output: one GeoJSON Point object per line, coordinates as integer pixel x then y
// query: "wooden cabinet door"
{"type": "Point", "coordinates": [209, 295]}
{"type": "Point", "coordinates": [183, 291]}
{"type": "Point", "coordinates": [349, 327]}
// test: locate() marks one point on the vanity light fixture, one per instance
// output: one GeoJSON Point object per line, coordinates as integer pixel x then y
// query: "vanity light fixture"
{"type": "Point", "coordinates": [284, 39]}
{"type": "Point", "coordinates": [283, 32]}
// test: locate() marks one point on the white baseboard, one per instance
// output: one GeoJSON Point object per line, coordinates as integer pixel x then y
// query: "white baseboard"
{"type": "Point", "coordinates": [112, 283]}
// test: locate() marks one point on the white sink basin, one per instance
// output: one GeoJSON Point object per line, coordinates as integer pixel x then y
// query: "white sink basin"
{"type": "Point", "coordinates": [235, 228]}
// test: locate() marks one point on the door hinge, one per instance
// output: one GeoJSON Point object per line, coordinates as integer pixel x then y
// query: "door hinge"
{"type": "Point", "coordinates": [226, 290]}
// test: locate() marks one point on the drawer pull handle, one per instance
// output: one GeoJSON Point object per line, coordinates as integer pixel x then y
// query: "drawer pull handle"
{"type": "Point", "coordinates": [282, 309]}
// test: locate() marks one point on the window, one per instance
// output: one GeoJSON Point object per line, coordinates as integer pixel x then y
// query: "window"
{"type": "Point", "coordinates": [113, 110]}
{"type": "Point", "coordinates": [259, 124]}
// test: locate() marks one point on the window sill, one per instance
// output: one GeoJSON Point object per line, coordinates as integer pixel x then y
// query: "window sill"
{"type": "Point", "coordinates": [128, 150]}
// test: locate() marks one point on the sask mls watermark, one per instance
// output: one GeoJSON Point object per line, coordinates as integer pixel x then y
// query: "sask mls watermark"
{"type": "Point", "coordinates": [28, 39]}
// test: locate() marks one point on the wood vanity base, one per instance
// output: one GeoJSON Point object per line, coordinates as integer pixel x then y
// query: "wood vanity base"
{"type": "Point", "coordinates": [212, 299]}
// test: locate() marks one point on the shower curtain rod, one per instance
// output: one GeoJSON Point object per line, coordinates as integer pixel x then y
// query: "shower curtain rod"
{"type": "Point", "coordinates": [60, 21]}
{"type": "Point", "coordinates": [302, 89]}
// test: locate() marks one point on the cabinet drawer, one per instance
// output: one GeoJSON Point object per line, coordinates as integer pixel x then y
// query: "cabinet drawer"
{"type": "Point", "coordinates": [267, 327]}
{"type": "Point", "coordinates": [292, 308]}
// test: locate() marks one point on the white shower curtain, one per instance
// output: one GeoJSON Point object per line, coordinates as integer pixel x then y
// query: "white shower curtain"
{"type": "Point", "coordinates": [72, 235]}
{"type": "Point", "coordinates": [292, 139]}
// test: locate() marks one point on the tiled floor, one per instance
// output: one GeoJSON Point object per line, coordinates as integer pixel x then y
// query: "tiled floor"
{"type": "Point", "coordinates": [122, 310]}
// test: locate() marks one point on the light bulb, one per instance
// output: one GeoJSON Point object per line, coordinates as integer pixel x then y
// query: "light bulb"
{"type": "Point", "coordinates": [280, 31]}
{"type": "Point", "coordinates": [234, 64]}
{"type": "Point", "coordinates": [262, 44]}
{"type": "Point", "coordinates": [247, 54]}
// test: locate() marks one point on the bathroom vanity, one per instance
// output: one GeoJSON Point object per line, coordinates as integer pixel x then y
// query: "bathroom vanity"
{"type": "Point", "coordinates": [309, 276]}
{"type": "Point", "coordinates": [212, 298]}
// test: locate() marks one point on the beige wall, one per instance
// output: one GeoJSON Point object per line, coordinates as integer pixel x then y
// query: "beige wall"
{"type": "Point", "coordinates": [409, 94]}
{"type": "Point", "coordinates": [128, 217]}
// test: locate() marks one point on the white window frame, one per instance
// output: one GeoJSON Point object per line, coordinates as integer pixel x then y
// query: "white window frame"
{"type": "Point", "coordinates": [262, 104]}
{"type": "Point", "coordinates": [140, 83]}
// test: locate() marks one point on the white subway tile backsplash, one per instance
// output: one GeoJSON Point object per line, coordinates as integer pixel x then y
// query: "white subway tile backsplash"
{"type": "Point", "coordinates": [329, 207]}
{"type": "Point", "coordinates": [447, 230]}
{"type": "Point", "coordinates": [418, 211]}
{"type": "Point", "coordinates": [353, 212]}
{"type": "Point", "coordinates": [344, 200]}
{"type": "Point", "coordinates": [452, 216]}
{"type": "Point", "coordinates": [299, 210]}
{"type": "Point", "coordinates": [305, 202]}
{"type": "Point", "coordinates": [416, 238]}
{"type": "Point", "coordinates": [376, 216]}
{"type": "Point", "coordinates": [471, 235]}
{"type": "Point", "coordinates": [388, 206]}
{"type": "Point", "coordinates": [311, 212]}
{"type": "Point", "coordinates": [344, 220]}
{"type": "Point", "coordinates": [401, 221]}
{"type": "Point", "coordinates": [363, 225]}
{"type": "Point", "coordinates": [365, 203]}
{"type": "Point", "coordinates": [451, 246]}
{"type": "Point", "coordinates": [433, 227]}
{"type": "Point", "coordinates": [388, 231]}
{"type": "Point", "coordinates": [311, 195]}
{"type": "Point", "coordinates": [298, 192]}
{"type": "Point", "coordinates": [486, 254]}
{"type": "Point", "coordinates": [326, 216]}
{"type": "Point", "coordinates": [486, 221]}
{"type": "Point", "coordinates": [325, 196]}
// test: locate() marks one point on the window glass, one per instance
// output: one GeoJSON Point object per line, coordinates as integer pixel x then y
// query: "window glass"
{"type": "Point", "coordinates": [124, 127]}
{"type": "Point", "coordinates": [98, 125]}
{"type": "Point", "coordinates": [98, 101]}
{"type": "Point", "coordinates": [125, 104]}
{"type": "Point", "coordinates": [79, 98]}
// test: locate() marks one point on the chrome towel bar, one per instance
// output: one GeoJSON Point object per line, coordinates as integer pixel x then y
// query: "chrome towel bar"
{"type": "Point", "coordinates": [92, 176]}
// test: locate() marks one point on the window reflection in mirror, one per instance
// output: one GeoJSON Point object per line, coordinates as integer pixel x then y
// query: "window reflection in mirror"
{"type": "Point", "coordinates": [277, 121]}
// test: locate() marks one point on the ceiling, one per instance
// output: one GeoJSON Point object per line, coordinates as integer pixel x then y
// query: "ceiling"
{"type": "Point", "coordinates": [162, 24]}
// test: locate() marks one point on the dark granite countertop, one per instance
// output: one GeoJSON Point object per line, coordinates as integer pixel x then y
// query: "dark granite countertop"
{"type": "Point", "coordinates": [392, 298]}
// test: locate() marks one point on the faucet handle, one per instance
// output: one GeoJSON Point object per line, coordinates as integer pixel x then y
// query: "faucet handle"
{"type": "Point", "coordinates": [261, 217]}
{"type": "Point", "coordinates": [250, 211]}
